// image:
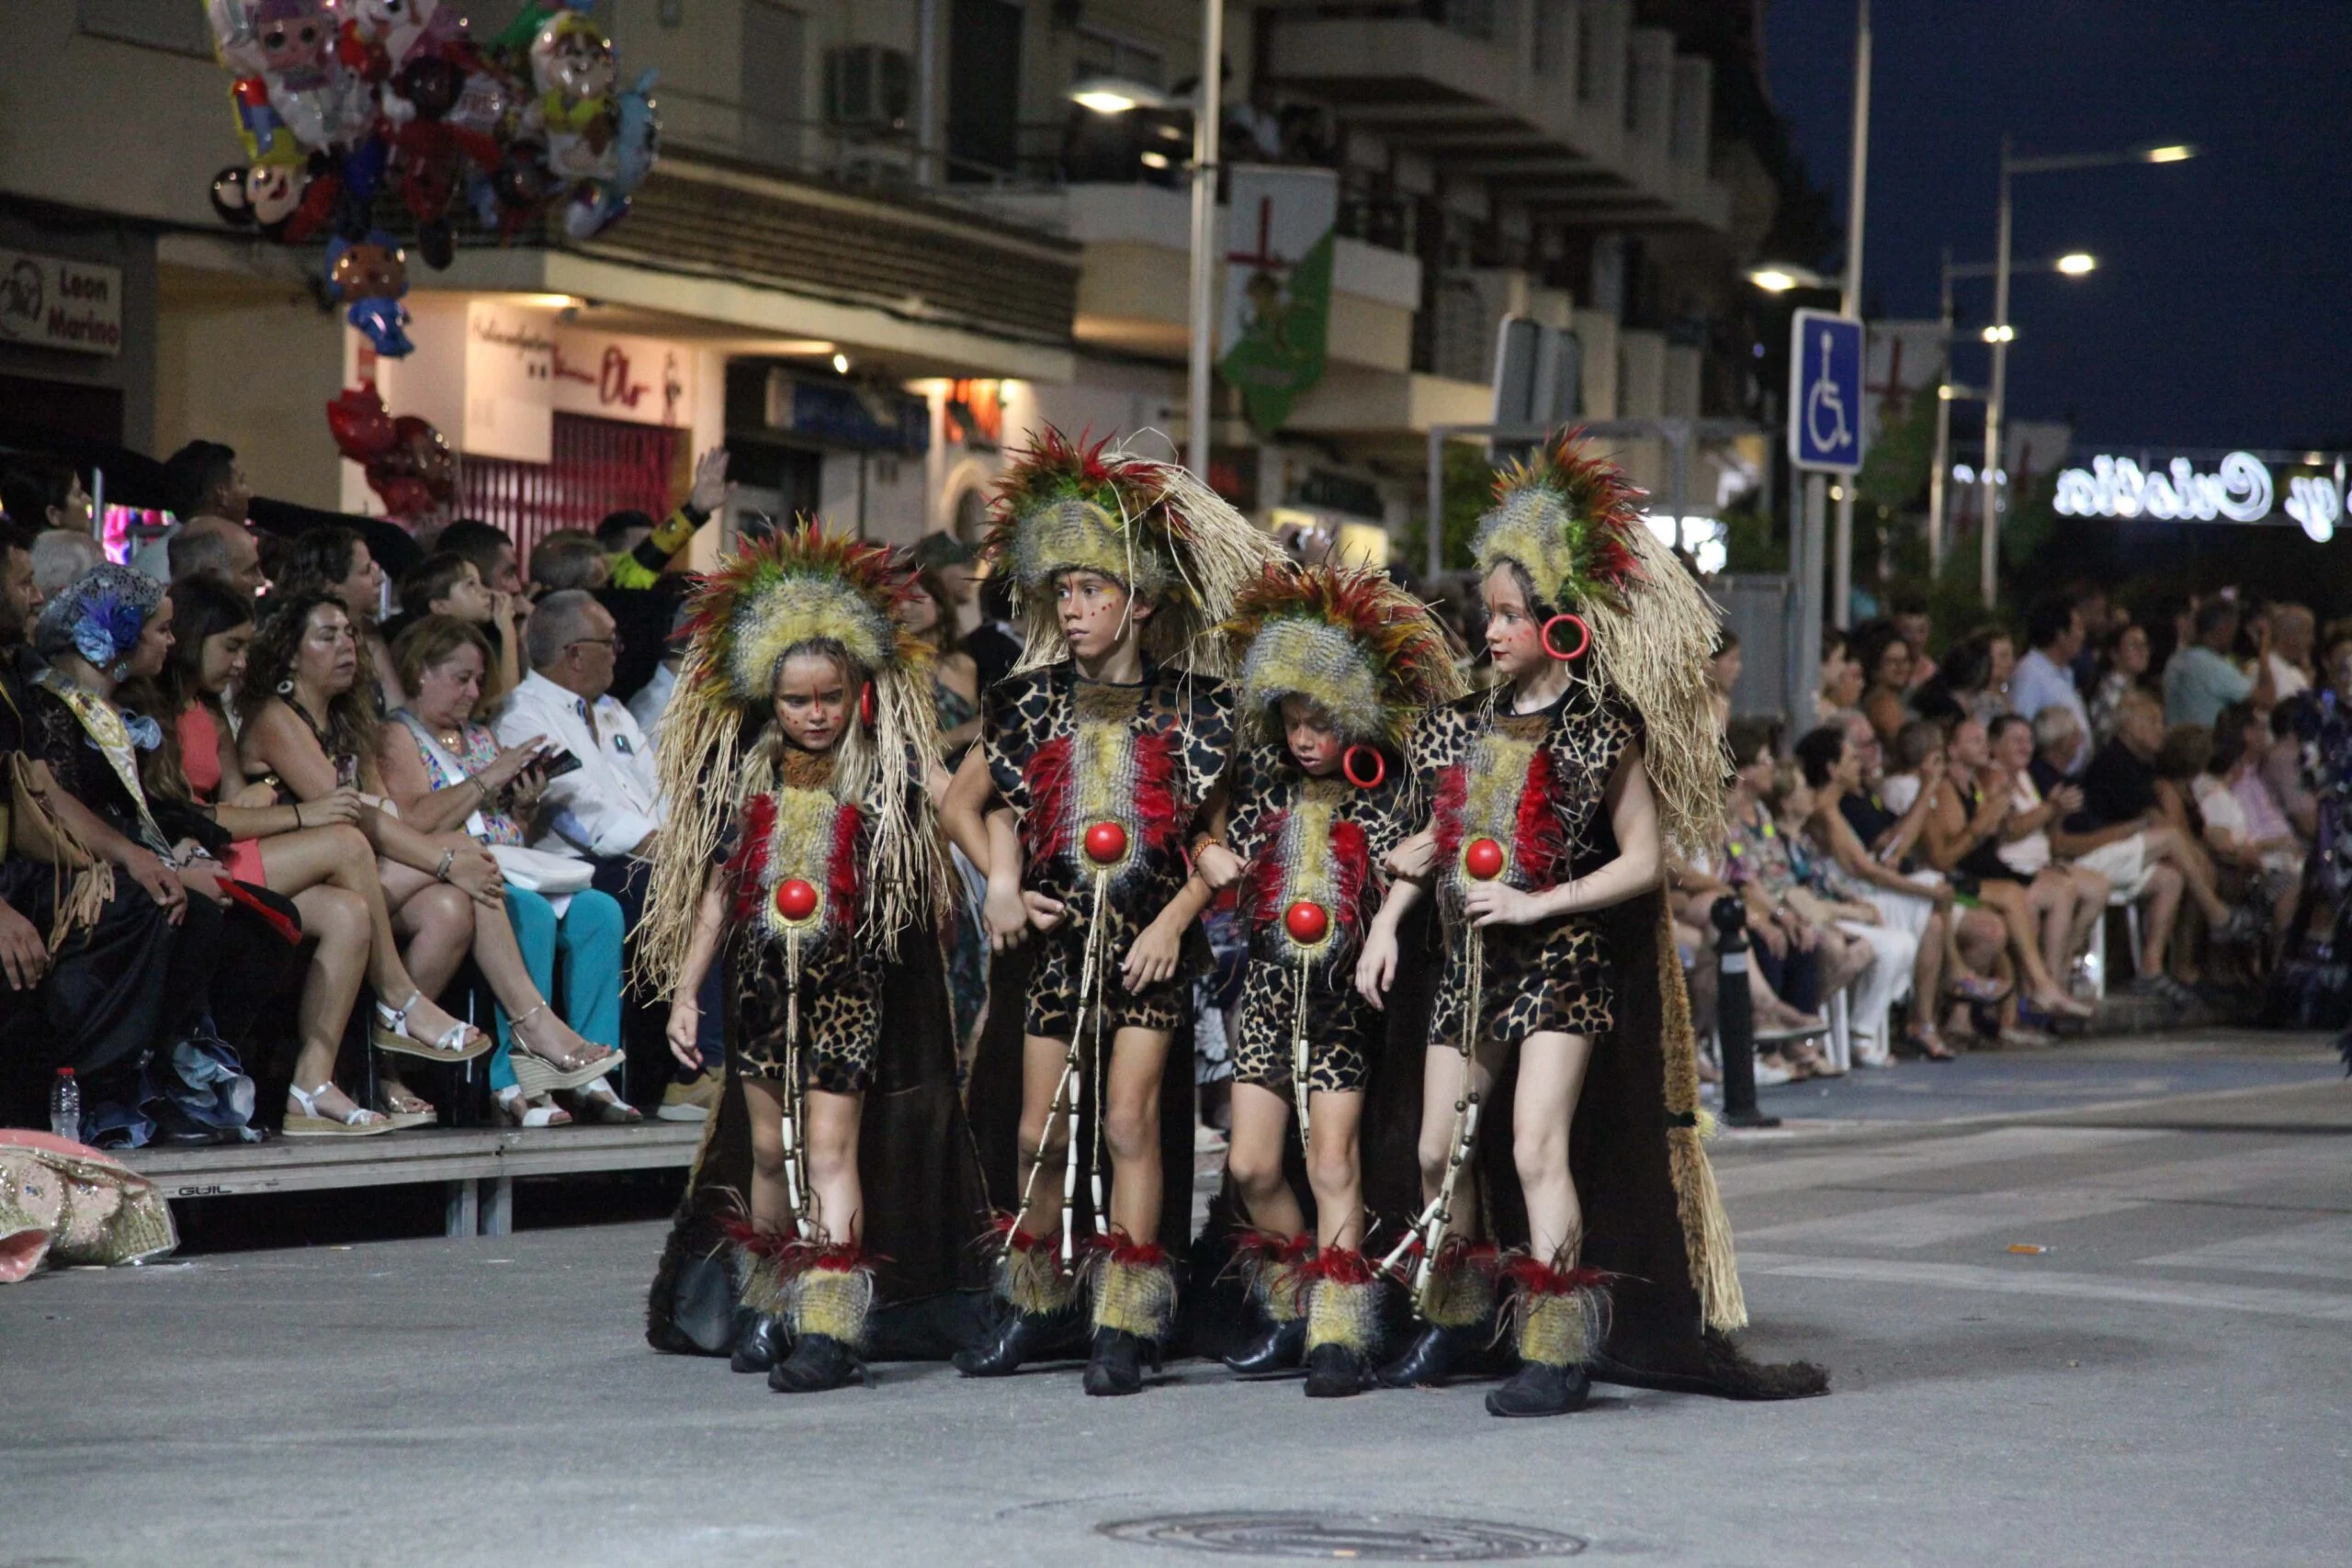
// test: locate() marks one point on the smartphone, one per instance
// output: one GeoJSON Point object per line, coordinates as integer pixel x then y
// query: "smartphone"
{"type": "Point", "coordinates": [555, 762]}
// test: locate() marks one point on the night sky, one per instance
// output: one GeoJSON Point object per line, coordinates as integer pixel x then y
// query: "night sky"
{"type": "Point", "coordinates": [2220, 315]}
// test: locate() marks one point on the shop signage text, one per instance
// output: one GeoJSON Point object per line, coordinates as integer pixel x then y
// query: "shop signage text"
{"type": "Point", "coordinates": [53, 302]}
{"type": "Point", "coordinates": [2240, 488]}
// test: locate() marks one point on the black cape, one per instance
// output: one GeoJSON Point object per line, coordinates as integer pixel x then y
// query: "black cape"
{"type": "Point", "coordinates": [926, 1207]}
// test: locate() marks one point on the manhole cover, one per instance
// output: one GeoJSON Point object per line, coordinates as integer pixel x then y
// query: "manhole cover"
{"type": "Point", "coordinates": [1334, 1538]}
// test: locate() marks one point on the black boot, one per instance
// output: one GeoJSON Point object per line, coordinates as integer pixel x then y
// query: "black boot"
{"type": "Point", "coordinates": [1117, 1366]}
{"type": "Point", "coordinates": [761, 1345]}
{"type": "Point", "coordinates": [819, 1361]}
{"type": "Point", "coordinates": [1022, 1336]}
{"type": "Point", "coordinates": [1334, 1371]}
{"type": "Point", "coordinates": [1538, 1388]}
{"type": "Point", "coordinates": [1275, 1353]}
{"type": "Point", "coordinates": [1432, 1358]}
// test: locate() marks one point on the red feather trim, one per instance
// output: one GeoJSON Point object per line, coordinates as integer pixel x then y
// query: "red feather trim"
{"type": "Point", "coordinates": [1256, 1248]}
{"type": "Point", "coordinates": [1541, 840]}
{"type": "Point", "coordinates": [1155, 801]}
{"type": "Point", "coordinates": [845, 875]}
{"type": "Point", "coordinates": [1537, 1279]}
{"type": "Point", "coordinates": [1116, 1249]}
{"type": "Point", "coordinates": [1351, 869]}
{"type": "Point", "coordinates": [755, 1241]}
{"type": "Point", "coordinates": [801, 1257]}
{"type": "Point", "coordinates": [749, 864]}
{"type": "Point", "coordinates": [1044, 826]}
{"type": "Point", "coordinates": [1478, 1256]}
{"type": "Point", "coordinates": [1453, 799]}
{"type": "Point", "coordinates": [1261, 887]}
{"type": "Point", "coordinates": [1341, 1265]}
{"type": "Point", "coordinates": [1005, 1231]}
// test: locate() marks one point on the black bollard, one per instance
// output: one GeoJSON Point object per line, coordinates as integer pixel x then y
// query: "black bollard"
{"type": "Point", "coordinates": [1735, 1017]}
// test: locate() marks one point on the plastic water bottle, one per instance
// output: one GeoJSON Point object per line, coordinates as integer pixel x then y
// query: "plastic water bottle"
{"type": "Point", "coordinates": [65, 1106]}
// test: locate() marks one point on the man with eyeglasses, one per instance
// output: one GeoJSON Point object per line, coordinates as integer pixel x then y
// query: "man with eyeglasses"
{"type": "Point", "coordinates": [609, 809]}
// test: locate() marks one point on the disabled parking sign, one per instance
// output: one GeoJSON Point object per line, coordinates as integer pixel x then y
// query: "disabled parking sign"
{"type": "Point", "coordinates": [1826, 392]}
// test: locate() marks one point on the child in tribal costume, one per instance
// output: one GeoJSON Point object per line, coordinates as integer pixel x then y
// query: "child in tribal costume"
{"type": "Point", "coordinates": [1335, 665]}
{"type": "Point", "coordinates": [802, 843]}
{"type": "Point", "coordinates": [1548, 792]}
{"type": "Point", "coordinates": [1097, 756]}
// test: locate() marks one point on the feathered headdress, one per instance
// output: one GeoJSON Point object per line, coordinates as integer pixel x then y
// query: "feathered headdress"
{"type": "Point", "coordinates": [789, 591]}
{"type": "Point", "coordinates": [1349, 641]}
{"type": "Point", "coordinates": [1149, 524]}
{"type": "Point", "coordinates": [1572, 522]}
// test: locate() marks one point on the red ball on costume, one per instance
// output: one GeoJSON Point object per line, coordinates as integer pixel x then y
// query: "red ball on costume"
{"type": "Point", "coordinates": [1482, 859]}
{"type": "Point", "coordinates": [1106, 843]}
{"type": "Point", "coordinates": [796, 900]}
{"type": "Point", "coordinates": [1307, 922]}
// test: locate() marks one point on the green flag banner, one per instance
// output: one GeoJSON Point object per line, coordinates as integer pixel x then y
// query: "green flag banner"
{"type": "Point", "coordinates": [1277, 308]}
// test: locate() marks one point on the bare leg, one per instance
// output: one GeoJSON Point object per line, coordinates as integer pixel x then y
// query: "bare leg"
{"type": "Point", "coordinates": [1334, 1167]}
{"type": "Point", "coordinates": [341, 857]}
{"type": "Point", "coordinates": [2052, 898]}
{"type": "Point", "coordinates": [831, 1138]}
{"type": "Point", "coordinates": [338, 922]}
{"type": "Point", "coordinates": [1928, 968]}
{"type": "Point", "coordinates": [2090, 907]}
{"type": "Point", "coordinates": [435, 923]}
{"type": "Point", "coordinates": [2167, 844]}
{"type": "Point", "coordinates": [1551, 1077]}
{"type": "Point", "coordinates": [770, 1202]}
{"type": "Point", "coordinates": [1043, 1143]}
{"type": "Point", "coordinates": [2163, 895]}
{"type": "Point", "coordinates": [1441, 1087]}
{"type": "Point", "coordinates": [1131, 1131]}
{"type": "Point", "coordinates": [2014, 904]}
{"type": "Point", "coordinates": [544, 1034]}
{"type": "Point", "coordinates": [1254, 1160]}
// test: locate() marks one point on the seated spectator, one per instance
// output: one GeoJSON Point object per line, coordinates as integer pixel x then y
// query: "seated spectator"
{"type": "Point", "coordinates": [2045, 676]}
{"type": "Point", "coordinates": [653, 699]}
{"type": "Point", "coordinates": [204, 480]}
{"type": "Point", "coordinates": [2145, 859]}
{"type": "Point", "coordinates": [568, 559]}
{"type": "Point", "coordinates": [2075, 897]}
{"type": "Point", "coordinates": [1908, 608]}
{"type": "Point", "coordinates": [308, 732]}
{"type": "Point", "coordinates": [1693, 889]}
{"type": "Point", "coordinates": [227, 550]}
{"type": "Point", "coordinates": [2287, 771]}
{"type": "Point", "coordinates": [2292, 631]}
{"type": "Point", "coordinates": [1805, 960]}
{"type": "Point", "coordinates": [1894, 949]}
{"type": "Point", "coordinates": [1909, 780]}
{"type": "Point", "coordinates": [638, 558]}
{"type": "Point", "coordinates": [1885, 657]}
{"type": "Point", "coordinates": [2200, 680]}
{"type": "Point", "coordinates": [607, 809]}
{"type": "Point", "coordinates": [61, 555]}
{"type": "Point", "coordinates": [335, 561]}
{"type": "Point", "coordinates": [37, 492]}
{"type": "Point", "coordinates": [2244, 826]}
{"type": "Point", "coordinates": [1723, 675]}
{"type": "Point", "coordinates": [1974, 818]}
{"type": "Point", "coordinates": [1968, 687]}
{"type": "Point", "coordinates": [447, 583]}
{"type": "Point", "coordinates": [2124, 669]}
{"type": "Point", "coordinates": [488, 548]}
{"type": "Point", "coordinates": [448, 773]}
{"type": "Point", "coordinates": [1842, 678]}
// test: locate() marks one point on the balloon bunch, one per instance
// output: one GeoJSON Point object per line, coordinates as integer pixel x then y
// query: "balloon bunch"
{"type": "Point", "coordinates": [335, 99]}
{"type": "Point", "coordinates": [408, 463]}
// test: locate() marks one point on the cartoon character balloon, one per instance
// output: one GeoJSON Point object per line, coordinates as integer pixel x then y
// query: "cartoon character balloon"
{"type": "Point", "coordinates": [407, 462]}
{"type": "Point", "coordinates": [372, 274]}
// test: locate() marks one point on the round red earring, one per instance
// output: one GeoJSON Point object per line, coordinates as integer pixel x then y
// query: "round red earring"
{"type": "Point", "coordinates": [1379, 769]}
{"type": "Point", "coordinates": [1584, 637]}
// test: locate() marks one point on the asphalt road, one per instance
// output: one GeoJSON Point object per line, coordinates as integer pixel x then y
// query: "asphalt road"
{"type": "Point", "coordinates": [2166, 1381]}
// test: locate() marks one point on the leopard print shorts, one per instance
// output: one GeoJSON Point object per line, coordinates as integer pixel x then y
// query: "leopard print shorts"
{"type": "Point", "coordinates": [1547, 979]}
{"type": "Point", "coordinates": [840, 1015]}
{"type": "Point", "coordinates": [1342, 1030]}
{"type": "Point", "coordinates": [1052, 1010]}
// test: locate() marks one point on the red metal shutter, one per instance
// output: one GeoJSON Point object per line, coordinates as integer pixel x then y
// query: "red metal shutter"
{"type": "Point", "coordinates": [601, 466]}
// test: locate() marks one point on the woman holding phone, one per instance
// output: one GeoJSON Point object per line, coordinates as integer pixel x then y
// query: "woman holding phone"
{"type": "Point", "coordinates": [448, 773]}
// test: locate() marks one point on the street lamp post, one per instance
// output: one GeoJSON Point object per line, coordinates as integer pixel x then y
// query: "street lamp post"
{"type": "Point", "coordinates": [1849, 305]}
{"type": "Point", "coordinates": [2001, 331]}
{"type": "Point", "coordinates": [1198, 384]}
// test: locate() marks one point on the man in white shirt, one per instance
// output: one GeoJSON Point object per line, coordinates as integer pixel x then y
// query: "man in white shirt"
{"type": "Point", "coordinates": [607, 810]}
{"type": "Point", "coordinates": [2043, 677]}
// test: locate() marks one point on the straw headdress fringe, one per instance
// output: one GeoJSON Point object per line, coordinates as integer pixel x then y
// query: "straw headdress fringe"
{"type": "Point", "coordinates": [778, 594]}
{"type": "Point", "coordinates": [1149, 524]}
{"type": "Point", "coordinates": [1706, 1229]}
{"type": "Point", "coordinates": [1356, 644]}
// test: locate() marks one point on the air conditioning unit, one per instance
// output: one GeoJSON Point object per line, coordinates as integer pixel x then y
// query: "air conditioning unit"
{"type": "Point", "coordinates": [869, 86]}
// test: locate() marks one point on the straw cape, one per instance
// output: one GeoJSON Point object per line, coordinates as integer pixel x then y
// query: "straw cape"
{"type": "Point", "coordinates": [792, 590]}
{"type": "Point", "coordinates": [1570, 521]}
{"type": "Point", "coordinates": [1347, 640]}
{"type": "Point", "coordinates": [1150, 525]}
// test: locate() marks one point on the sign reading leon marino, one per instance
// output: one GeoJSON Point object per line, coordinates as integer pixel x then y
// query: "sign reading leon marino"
{"type": "Point", "coordinates": [2239, 490]}
{"type": "Point", "coordinates": [54, 302]}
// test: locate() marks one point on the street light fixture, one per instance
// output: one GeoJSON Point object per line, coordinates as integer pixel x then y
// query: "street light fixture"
{"type": "Point", "coordinates": [1778, 278]}
{"type": "Point", "coordinates": [1116, 94]}
{"type": "Point", "coordinates": [2077, 263]}
{"type": "Point", "coordinates": [1996, 402]}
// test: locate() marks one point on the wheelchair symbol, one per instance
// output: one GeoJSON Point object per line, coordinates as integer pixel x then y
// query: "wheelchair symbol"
{"type": "Point", "coordinates": [1822, 404]}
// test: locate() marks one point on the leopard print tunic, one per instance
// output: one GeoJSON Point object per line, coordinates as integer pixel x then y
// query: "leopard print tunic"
{"type": "Point", "coordinates": [1534, 783]}
{"type": "Point", "coordinates": [1068, 754]}
{"type": "Point", "coordinates": [802, 832]}
{"type": "Point", "coordinates": [1321, 841]}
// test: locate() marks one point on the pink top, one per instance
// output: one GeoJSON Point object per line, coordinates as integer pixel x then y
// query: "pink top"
{"type": "Point", "coordinates": [199, 735]}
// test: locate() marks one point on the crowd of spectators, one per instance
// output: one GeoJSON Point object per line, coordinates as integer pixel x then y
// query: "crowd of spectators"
{"type": "Point", "coordinates": [282, 838]}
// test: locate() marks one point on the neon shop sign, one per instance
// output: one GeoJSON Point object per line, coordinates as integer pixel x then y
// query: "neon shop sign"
{"type": "Point", "coordinates": [2240, 488]}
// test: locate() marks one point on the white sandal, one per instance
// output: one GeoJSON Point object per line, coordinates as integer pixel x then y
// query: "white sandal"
{"type": "Point", "coordinates": [390, 1033]}
{"type": "Point", "coordinates": [312, 1124]}
{"type": "Point", "coordinates": [516, 1112]}
{"type": "Point", "coordinates": [539, 1076]}
{"type": "Point", "coordinates": [599, 1104]}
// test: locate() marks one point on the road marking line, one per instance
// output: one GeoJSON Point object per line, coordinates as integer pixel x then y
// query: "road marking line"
{"type": "Point", "coordinates": [2032, 1279]}
{"type": "Point", "coordinates": [2320, 1250]}
{"type": "Point", "coordinates": [1797, 1172]}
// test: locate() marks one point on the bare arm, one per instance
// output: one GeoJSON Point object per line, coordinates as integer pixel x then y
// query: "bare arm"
{"type": "Point", "coordinates": [701, 948]}
{"type": "Point", "coordinates": [961, 808]}
{"type": "Point", "coordinates": [1633, 814]}
{"type": "Point", "coordinates": [1846, 848]}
